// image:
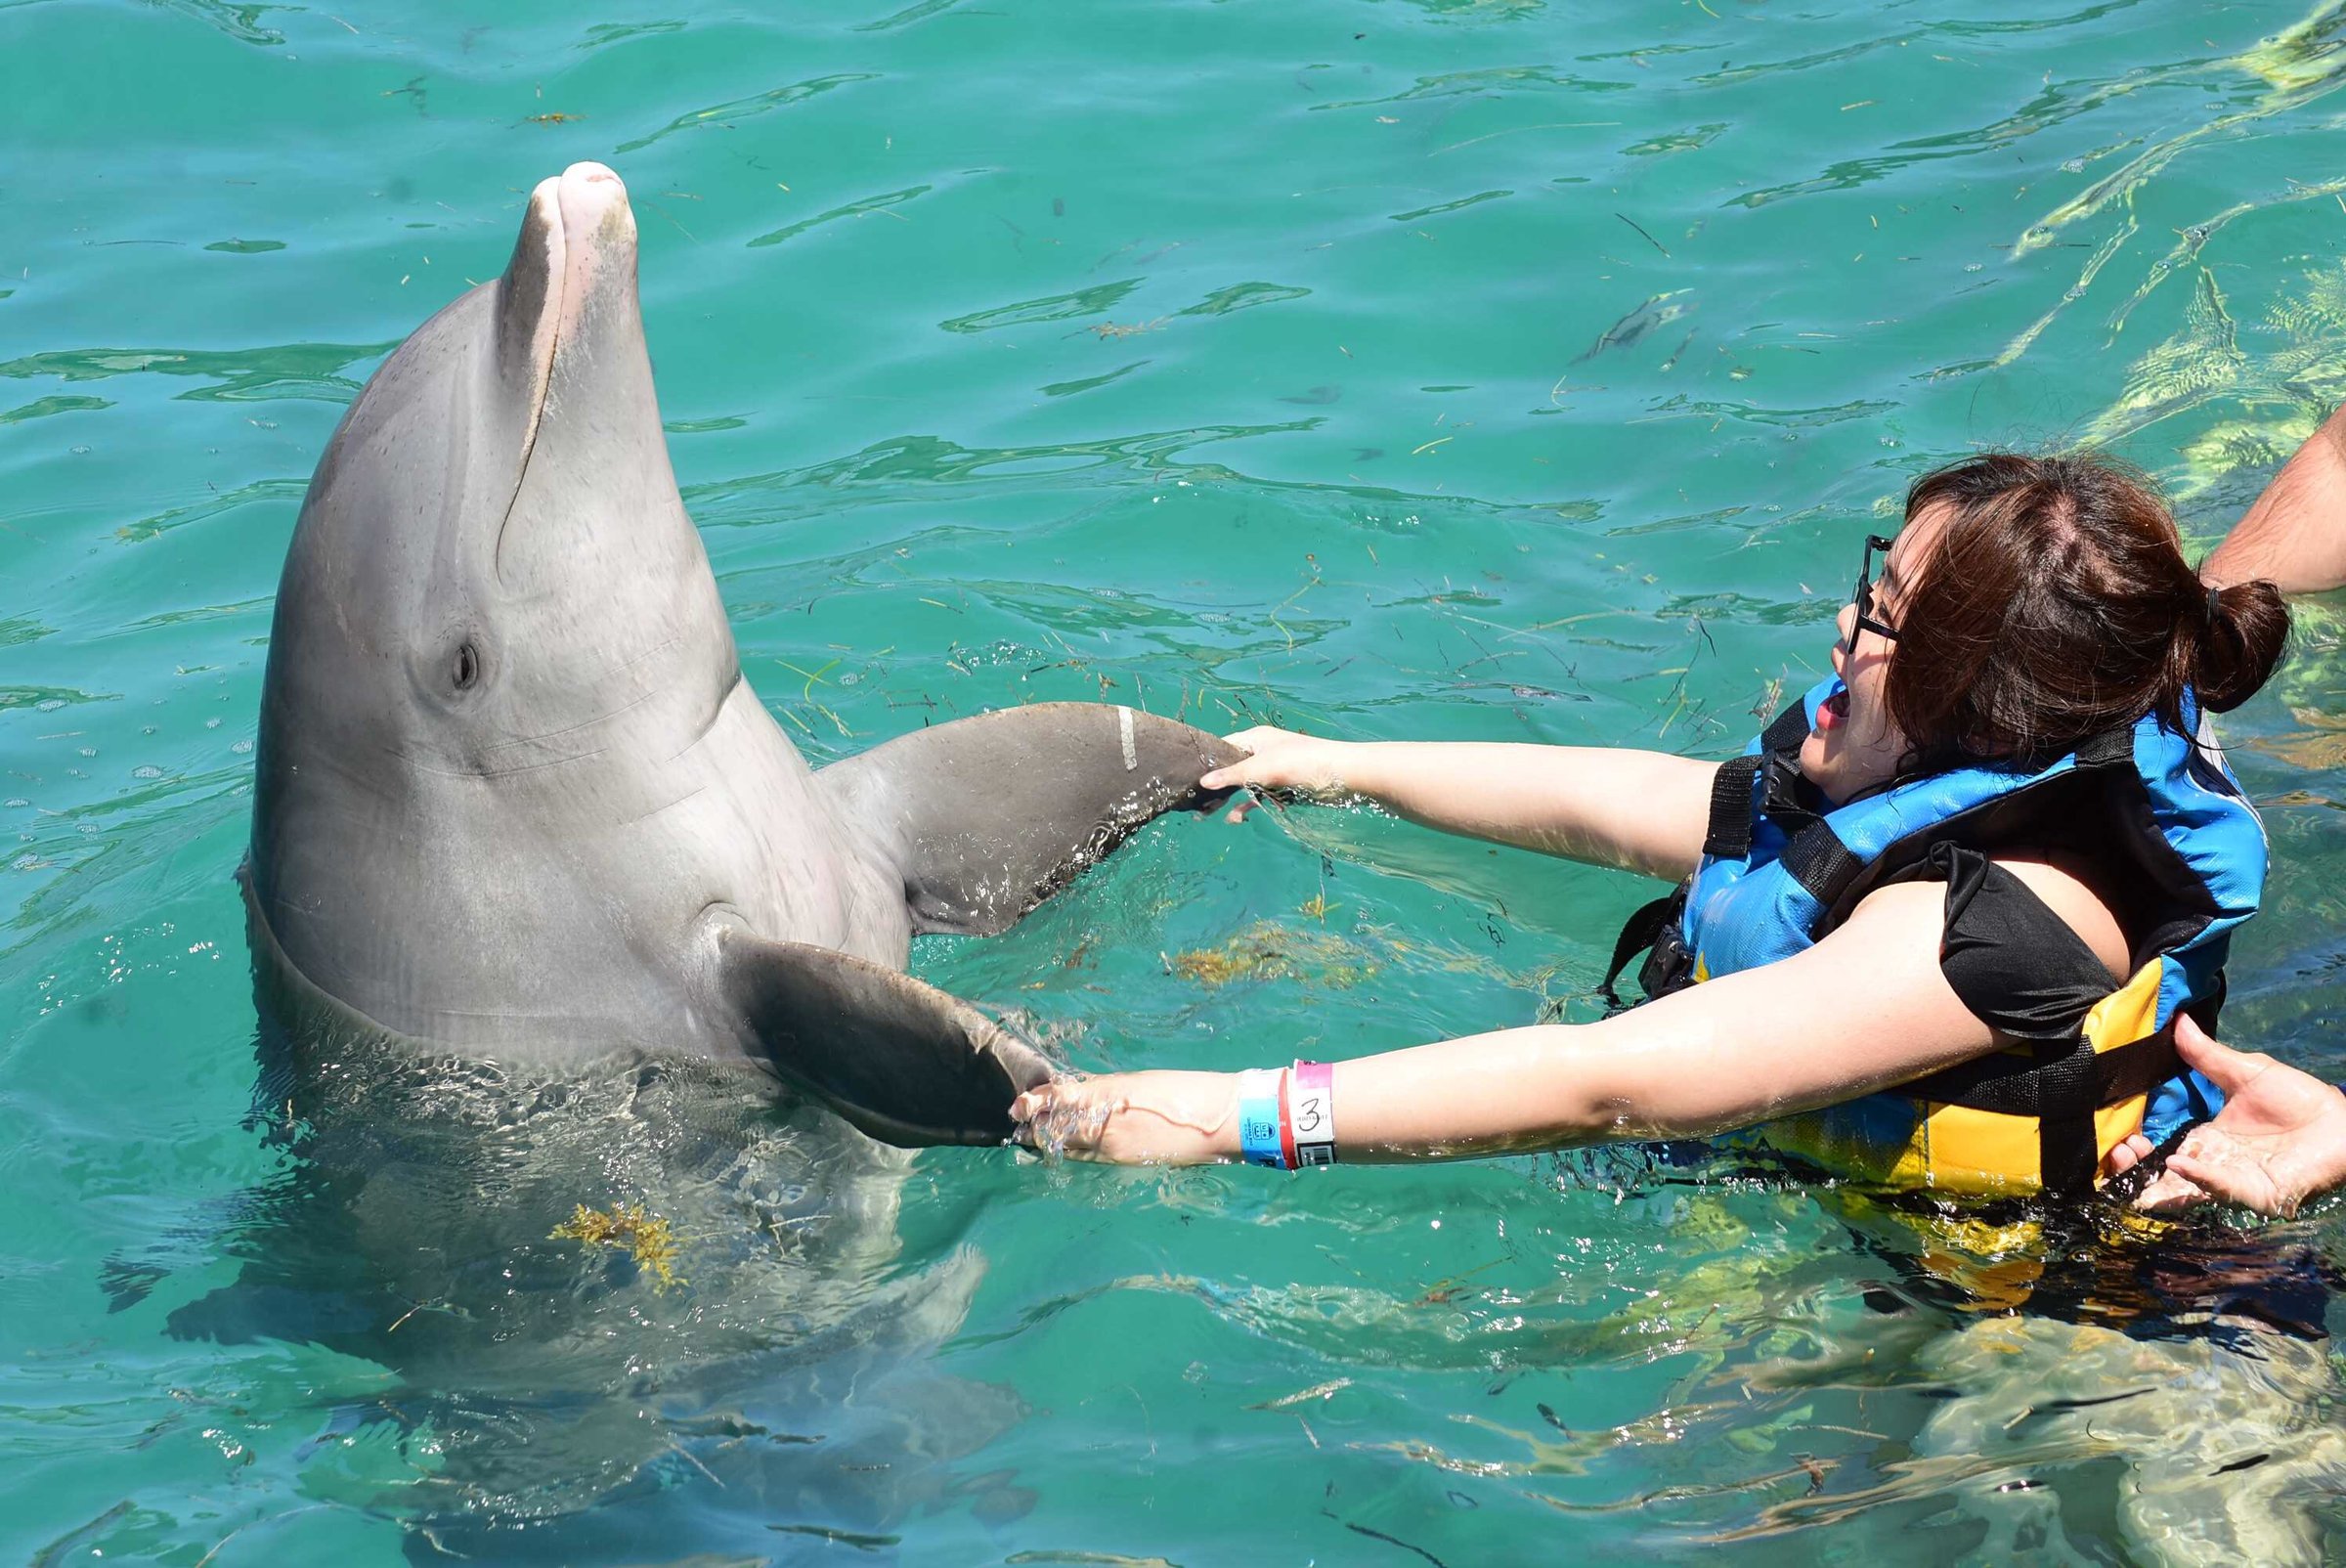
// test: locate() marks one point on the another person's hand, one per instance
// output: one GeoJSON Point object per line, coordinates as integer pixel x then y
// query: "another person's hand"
{"type": "Point", "coordinates": [1280, 760]}
{"type": "Point", "coordinates": [2280, 1138]}
{"type": "Point", "coordinates": [1133, 1118]}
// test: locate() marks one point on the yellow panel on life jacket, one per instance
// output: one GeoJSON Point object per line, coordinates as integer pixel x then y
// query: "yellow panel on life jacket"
{"type": "Point", "coordinates": [1954, 1149]}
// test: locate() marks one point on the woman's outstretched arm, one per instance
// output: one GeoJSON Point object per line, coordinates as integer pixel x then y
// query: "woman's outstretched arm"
{"type": "Point", "coordinates": [1864, 1010]}
{"type": "Point", "coordinates": [1638, 811]}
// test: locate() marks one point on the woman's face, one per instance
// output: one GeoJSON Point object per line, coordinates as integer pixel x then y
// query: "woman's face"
{"type": "Point", "coordinates": [1854, 746]}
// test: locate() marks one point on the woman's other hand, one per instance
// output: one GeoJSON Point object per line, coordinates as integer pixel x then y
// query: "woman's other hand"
{"type": "Point", "coordinates": [2280, 1138]}
{"type": "Point", "coordinates": [1280, 760]}
{"type": "Point", "coordinates": [1133, 1118]}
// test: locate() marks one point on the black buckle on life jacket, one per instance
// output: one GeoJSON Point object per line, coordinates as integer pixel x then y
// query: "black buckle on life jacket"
{"type": "Point", "coordinates": [1654, 925]}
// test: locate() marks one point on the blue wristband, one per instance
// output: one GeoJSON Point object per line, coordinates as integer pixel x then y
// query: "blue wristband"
{"type": "Point", "coordinates": [1258, 1117]}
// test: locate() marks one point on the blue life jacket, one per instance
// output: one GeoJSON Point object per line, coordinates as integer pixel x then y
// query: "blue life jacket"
{"type": "Point", "coordinates": [1781, 868]}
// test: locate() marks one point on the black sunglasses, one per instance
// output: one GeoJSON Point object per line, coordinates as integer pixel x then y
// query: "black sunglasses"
{"type": "Point", "coordinates": [1862, 596]}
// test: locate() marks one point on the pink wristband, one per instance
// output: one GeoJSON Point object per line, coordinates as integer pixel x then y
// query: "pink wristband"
{"type": "Point", "coordinates": [1309, 1114]}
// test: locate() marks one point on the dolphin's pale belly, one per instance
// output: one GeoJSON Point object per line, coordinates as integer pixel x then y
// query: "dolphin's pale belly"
{"type": "Point", "coordinates": [570, 905]}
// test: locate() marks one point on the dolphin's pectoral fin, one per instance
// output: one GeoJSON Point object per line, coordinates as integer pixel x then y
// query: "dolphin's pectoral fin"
{"type": "Point", "coordinates": [988, 816]}
{"type": "Point", "coordinates": [902, 1060]}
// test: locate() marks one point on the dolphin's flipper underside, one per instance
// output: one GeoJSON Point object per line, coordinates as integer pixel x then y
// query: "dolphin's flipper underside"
{"type": "Point", "coordinates": [902, 1060]}
{"type": "Point", "coordinates": [988, 816]}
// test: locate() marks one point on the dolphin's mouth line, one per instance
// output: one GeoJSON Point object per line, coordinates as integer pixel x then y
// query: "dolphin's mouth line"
{"type": "Point", "coordinates": [529, 448]}
{"type": "Point", "coordinates": [560, 304]}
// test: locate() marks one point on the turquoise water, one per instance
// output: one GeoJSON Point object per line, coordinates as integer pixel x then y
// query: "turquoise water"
{"type": "Point", "coordinates": [1459, 370]}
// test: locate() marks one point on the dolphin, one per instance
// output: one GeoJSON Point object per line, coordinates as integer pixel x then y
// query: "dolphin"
{"type": "Point", "coordinates": [516, 801]}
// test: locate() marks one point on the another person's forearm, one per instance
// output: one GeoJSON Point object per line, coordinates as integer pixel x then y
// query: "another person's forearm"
{"type": "Point", "coordinates": [1640, 810]}
{"type": "Point", "coordinates": [2295, 535]}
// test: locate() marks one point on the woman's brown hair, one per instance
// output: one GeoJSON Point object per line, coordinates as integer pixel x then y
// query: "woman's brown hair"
{"type": "Point", "coordinates": [2056, 604]}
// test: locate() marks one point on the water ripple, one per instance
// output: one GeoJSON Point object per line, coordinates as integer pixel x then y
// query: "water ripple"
{"type": "Point", "coordinates": [308, 371]}
{"type": "Point", "coordinates": [738, 109]}
{"type": "Point", "coordinates": [852, 209]}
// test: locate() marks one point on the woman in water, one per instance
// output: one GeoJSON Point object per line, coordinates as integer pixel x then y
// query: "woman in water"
{"type": "Point", "coordinates": [1939, 923]}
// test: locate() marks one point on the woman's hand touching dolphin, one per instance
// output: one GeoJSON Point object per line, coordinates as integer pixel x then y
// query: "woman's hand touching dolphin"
{"type": "Point", "coordinates": [1279, 760]}
{"type": "Point", "coordinates": [1131, 1118]}
{"type": "Point", "coordinates": [2280, 1138]}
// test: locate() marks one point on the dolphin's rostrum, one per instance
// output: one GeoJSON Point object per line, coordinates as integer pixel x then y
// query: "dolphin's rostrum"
{"type": "Point", "coordinates": [515, 797]}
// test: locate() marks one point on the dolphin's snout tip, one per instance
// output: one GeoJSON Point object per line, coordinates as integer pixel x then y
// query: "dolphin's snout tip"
{"type": "Point", "coordinates": [576, 247]}
{"type": "Point", "coordinates": [594, 202]}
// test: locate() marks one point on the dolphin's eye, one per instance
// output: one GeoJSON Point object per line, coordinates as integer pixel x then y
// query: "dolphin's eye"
{"type": "Point", "coordinates": [468, 667]}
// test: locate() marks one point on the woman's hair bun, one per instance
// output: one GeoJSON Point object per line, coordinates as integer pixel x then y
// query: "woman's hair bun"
{"type": "Point", "coordinates": [2243, 629]}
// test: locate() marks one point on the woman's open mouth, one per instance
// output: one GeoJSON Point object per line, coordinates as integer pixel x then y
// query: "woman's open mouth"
{"type": "Point", "coordinates": [1832, 711]}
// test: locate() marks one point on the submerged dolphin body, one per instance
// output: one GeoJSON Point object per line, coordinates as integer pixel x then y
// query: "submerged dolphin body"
{"type": "Point", "coordinates": [515, 797]}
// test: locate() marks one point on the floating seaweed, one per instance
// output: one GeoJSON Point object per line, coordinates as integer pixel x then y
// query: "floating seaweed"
{"type": "Point", "coordinates": [1268, 951]}
{"type": "Point", "coordinates": [649, 1239]}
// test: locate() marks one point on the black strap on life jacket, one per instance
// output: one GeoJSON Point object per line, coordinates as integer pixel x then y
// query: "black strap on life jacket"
{"type": "Point", "coordinates": [2061, 1083]}
{"type": "Point", "coordinates": [2003, 1082]}
{"type": "Point", "coordinates": [1820, 862]}
{"type": "Point", "coordinates": [1728, 836]}
{"type": "Point", "coordinates": [2111, 747]}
